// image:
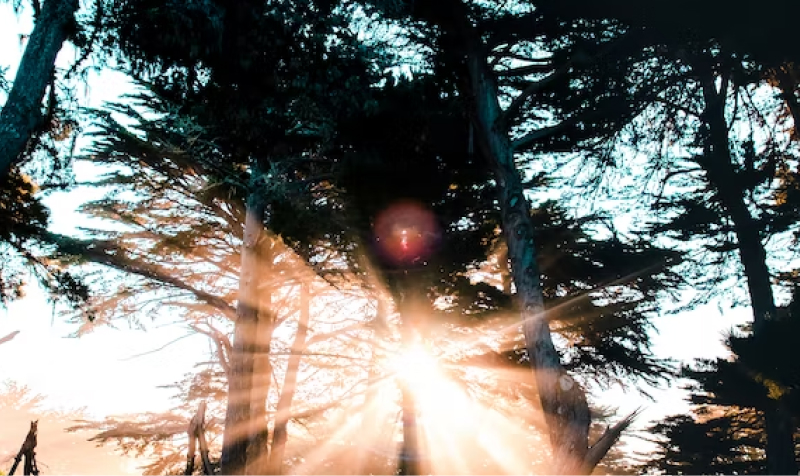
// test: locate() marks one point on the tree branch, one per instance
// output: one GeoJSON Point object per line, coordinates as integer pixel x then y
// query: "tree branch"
{"type": "Point", "coordinates": [539, 134]}
{"type": "Point", "coordinates": [523, 70]}
{"type": "Point", "coordinates": [8, 337]}
{"type": "Point", "coordinates": [603, 444]}
{"type": "Point", "coordinates": [108, 254]}
{"type": "Point", "coordinates": [534, 87]}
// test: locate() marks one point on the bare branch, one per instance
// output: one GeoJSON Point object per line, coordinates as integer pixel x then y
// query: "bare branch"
{"type": "Point", "coordinates": [539, 134]}
{"type": "Point", "coordinates": [598, 450]}
{"type": "Point", "coordinates": [525, 70]}
{"type": "Point", "coordinates": [9, 337]}
{"type": "Point", "coordinates": [534, 87]}
{"type": "Point", "coordinates": [111, 255]}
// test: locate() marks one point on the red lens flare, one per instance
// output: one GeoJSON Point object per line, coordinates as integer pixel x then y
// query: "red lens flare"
{"type": "Point", "coordinates": [406, 233]}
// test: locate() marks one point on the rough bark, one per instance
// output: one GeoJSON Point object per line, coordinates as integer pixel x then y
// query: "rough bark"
{"type": "Point", "coordinates": [238, 416]}
{"type": "Point", "coordinates": [22, 115]}
{"type": "Point", "coordinates": [258, 453]}
{"type": "Point", "coordinates": [562, 398]}
{"type": "Point", "coordinates": [283, 411]}
{"type": "Point", "coordinates": [720, 172]}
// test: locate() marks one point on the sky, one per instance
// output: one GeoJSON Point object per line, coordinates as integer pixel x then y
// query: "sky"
{"type": "Point", "coordinates": [105, 371]}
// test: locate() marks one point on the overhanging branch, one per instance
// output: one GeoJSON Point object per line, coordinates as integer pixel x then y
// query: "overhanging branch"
{"type": "Point", "coordinates": [108, 254]}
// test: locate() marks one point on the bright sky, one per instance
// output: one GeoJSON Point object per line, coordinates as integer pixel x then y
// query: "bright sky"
{"type": "Point", "coordinates": [97, 370]}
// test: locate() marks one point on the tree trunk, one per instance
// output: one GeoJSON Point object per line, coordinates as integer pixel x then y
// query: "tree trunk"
{"type": "Point", "coordinates": [788, 88]}
{"type": "Point", "coordinates": [258, 450]}
{"type": "Point", "coordinates": [562, 399]}
{"type": "Point", "coordinates": [21, 115]}
{"type": "Point", "coordinates": [237, 435]}
{"type": "Point", "coordinates": [284, 409]}
{"type": "Point", "coordinates": [258, 445]}
{"type": "Point", "coordinates": [720, 172]}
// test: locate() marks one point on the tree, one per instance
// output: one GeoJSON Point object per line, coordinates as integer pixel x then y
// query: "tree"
{"type": "Point", "coordinates": [56, 452]}
{"type": "Point", "coordinates": [259, 121]}
{"type": "Point", "coordinates": [595, 290]}
{"type": "Point", "coordinates": [699, 116]}
{"type": "Point", "coordinates": [27, 250]}
{"type": "Point", "coordinates": [727, 192]}
{"type": "Point", "coordinates": [160, 437]}
{"type": "Point", "coordinates": [176, 246]}
{"type": "Point", "coordinates": [724, 442]}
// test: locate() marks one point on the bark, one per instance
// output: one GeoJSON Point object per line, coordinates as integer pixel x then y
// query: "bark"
{"type": "Point", "coordinates": [283, 411]}
{"type": "Point", "coordinates": [238, 417]}
{"type": "Point", "coordinates": [562, 399]}
{"type": "Point", "coordinates": [22, 115]}
{"type": "Point", "coordinates": [505, 270]}
{"type": "Point", "coordinates": [258, 444]}
{"type": "Point", "coordinates": [720, 172]}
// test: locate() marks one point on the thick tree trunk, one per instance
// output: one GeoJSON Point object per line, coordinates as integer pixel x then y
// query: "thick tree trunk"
{"type": "Point", "coordinates": [720, 172]}
{"type": "Point", "coordinates": [283, 411]}
{"type": "Point", "coordinates": [238, 417]}
{"type": "Point", "coordinates": [258, 449]}
{"type": "Point", "coordinates": [22, 113]}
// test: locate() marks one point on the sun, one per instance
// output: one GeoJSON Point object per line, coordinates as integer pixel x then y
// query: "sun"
{"type": "Point", "coordinates": [417, 367]}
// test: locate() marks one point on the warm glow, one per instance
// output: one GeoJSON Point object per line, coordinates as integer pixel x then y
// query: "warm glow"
{"type": "Point", "coordinates": [417, 367]}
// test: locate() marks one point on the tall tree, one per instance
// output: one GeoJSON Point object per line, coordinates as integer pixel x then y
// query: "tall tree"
{"type": "Point", "coordinates": [216, 58]}
{"type": "Point", "coordinates": [703, 122]}
{"type": "Point", "coordinates": [176, 244]}
{"type": "Point", "coordinates": [727, 431]}
{"type": "Point", "coordinates": [719, 184]}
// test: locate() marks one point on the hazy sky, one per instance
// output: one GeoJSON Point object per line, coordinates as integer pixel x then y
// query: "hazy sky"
{"type": "Point", "coordinates": [96, 371]}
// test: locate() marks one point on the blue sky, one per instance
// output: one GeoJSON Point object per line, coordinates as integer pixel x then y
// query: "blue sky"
{"type": "Point", "coordinates": [96, 370]}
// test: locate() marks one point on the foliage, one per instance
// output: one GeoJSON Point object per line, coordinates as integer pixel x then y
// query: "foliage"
{"type": "Point", "coordinates": [714, 442]}
{"type": "Point", "coordinates": [161, 437]}
{"type": "Point", "coordinates": [727, 432]}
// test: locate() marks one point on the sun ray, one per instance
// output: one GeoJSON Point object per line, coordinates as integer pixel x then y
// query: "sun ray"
{"type": "Point", "coordinates": [352, 430]}
{"type": "Point", "coordinates": [460, 435]}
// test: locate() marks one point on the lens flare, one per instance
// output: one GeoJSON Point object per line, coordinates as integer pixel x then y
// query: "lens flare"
{"type": "Point", "coordinates": [406, 233]}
